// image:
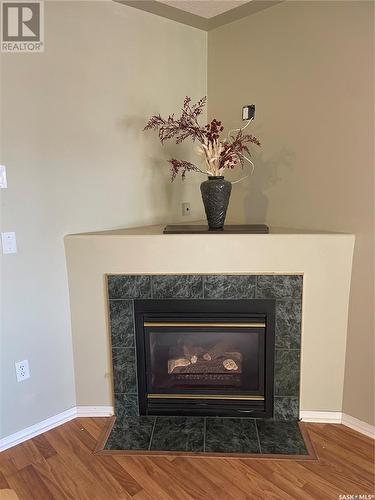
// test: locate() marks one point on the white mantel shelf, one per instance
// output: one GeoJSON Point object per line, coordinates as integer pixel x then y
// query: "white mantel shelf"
{"type": "Point", "coordinates": [324, 259]}
{"type": "Point", "coordinates": [158, 230]}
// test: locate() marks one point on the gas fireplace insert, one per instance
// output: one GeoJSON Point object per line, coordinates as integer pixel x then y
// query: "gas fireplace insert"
{"type": "Point", "coordinates": [205, 357]}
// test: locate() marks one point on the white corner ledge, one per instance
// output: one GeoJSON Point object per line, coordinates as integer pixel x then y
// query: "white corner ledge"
{"type": "Point", "coordinates": [324, 260]}
{"type": "Point", "coordinates": [52, 422]}
{"type": "Point", "coordinates": [337, 417]}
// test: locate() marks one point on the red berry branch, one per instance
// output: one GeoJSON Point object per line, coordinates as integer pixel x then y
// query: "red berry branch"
{"type": "Point", "coordinates": [218, 154]}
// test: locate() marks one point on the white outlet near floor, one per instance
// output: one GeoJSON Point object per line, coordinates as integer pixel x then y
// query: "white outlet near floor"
{"type": "Point", "coordinates": [22, 370]}
{"type": "Point", "coordinates": [185, 208]}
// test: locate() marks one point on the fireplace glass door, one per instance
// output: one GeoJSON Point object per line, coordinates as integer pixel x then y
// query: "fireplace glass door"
{"type": "Point", "coordinates": [205, 357]}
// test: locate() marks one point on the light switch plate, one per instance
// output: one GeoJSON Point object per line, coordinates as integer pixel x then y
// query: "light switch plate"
{"type": "Point", "coordinates": [9, 243]}
{"type": "Point", "coordinates": [3, 177]}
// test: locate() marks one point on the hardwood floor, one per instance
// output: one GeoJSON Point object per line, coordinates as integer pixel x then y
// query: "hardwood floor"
{"type": "Point", "coordinates": [60, 464]}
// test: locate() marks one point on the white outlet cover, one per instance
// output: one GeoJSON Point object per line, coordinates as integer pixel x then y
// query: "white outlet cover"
{"type": "Point", "coordinates": [186, 208]}
{"type": "Point", "coordinates": [3, 177]}
{"type": "Point", "coordinates": [9, 243]}
{"type": "Point", "coordinates": [22, 370]}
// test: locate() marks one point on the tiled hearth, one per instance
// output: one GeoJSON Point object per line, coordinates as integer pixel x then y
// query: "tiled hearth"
{"type": "Point", "coordinates": [206, 435]}
{"type": "Point", "coordinates": [285, 289]}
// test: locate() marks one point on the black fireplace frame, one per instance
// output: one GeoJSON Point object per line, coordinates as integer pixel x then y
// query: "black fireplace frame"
{"type": "Point", "coordinates": [206, 310]}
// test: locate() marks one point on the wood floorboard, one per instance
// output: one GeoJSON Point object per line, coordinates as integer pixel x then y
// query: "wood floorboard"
{"type": "Point", "coordinates": [62, 464]}
{"type": "Point", "coordinates": [263, 487]}
{"type": "Point", "coordinates": [91, 425]}
{"type": "Point", "coordinates": [3, 482]}
{"type": "Point", "coordinates": [57, 484]}
{"type": "Point", "coordinates": [161, 474]}
{"type": "Point", "coordinates": [150, 485]}
{"type": "Point", "coordinates": [8, 494]}
{"type": "Point", "coordinates": [198, 486]}
{"type": "Point", "coordinates": [223, 478]}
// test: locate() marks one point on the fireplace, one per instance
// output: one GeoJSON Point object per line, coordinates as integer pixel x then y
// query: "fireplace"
{"type": "Point", "coordinates": [205, 357]}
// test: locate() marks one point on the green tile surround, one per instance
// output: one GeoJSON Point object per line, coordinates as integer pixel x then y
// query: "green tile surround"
{"type": "Point", "coordinates": [286, 290]}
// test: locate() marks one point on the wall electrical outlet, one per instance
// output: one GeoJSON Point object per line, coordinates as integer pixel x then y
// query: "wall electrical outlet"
{"type": "Point", "coordinates": [9, 243]}
{"type": "Point", "coordinates": [22, 370]}
{"type": "Point", "coordinates": [3, 177]}
{"type": "Point", "coordinates": [248, 112]}
{"type": "Point", "coordinates": [186, 208]}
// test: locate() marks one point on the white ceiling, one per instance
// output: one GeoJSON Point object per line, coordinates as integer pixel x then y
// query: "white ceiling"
{"type": "Point", "coordinates": [205, 8]}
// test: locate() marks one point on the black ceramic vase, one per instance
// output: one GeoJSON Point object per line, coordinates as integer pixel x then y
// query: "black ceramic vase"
{"type": "Point", "coordinates": [215, 194]}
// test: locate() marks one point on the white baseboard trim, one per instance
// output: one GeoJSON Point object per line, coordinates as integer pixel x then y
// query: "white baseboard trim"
{"type": "Point", "coordinates": [358, 425]}
{"type": "Point", "coordinates": [337, 417]}
{"type": "Point", "coordinates": [36, 429]}
{"type": "Point", "coordinates": [324, 417]}
{"type": "Point", "coordinates": [94, 411]}
{"type": "Point", "coordinates": [52, 422]}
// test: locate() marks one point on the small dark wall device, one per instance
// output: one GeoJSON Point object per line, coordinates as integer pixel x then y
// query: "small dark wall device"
{"type": "Point", "coordinates": [248, 112]}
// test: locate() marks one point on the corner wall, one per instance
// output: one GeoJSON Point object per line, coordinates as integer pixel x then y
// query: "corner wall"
{"type": "Point", "coordinates": [309, 68]}
{"type": "Point", "coordinates": [77, 160]}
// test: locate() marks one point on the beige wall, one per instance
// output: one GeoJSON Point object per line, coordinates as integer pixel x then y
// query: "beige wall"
{"type": "Point", "coordinates": [308, 67]}
{"type": "Point", "coordinates": [77, 161]}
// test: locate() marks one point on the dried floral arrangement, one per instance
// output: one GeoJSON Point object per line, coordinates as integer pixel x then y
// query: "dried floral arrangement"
{"type": "Point", "coordinates": [217, 154]}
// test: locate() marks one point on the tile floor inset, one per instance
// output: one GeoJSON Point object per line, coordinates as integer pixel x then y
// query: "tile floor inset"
{"type": "Point", "coordinates": [178, 434]}
{"type": "Point", "coordinates": [277, 437]}
{"type": "Point", "coordinates": [131, 433]}
{"type": "Point", "coordinates": [206, 435]}
{"type": "Point", "coordinates": [231, 435]}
